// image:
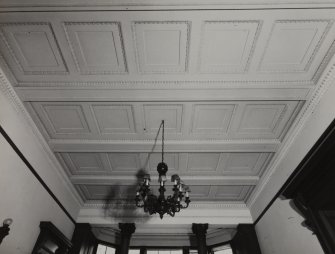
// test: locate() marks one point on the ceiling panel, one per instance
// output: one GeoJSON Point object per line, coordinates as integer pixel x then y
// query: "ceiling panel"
{"type": "Point", "coordinates": [231, 86]}
{"type": "Point", "coordinates": [293, 44]}
{"type": "Point", "coordinates": [222, 120]}
{"type": "Point", "coordinates": [97, 47]}
{"type": "Point", "coordinates": [187, 164]}
{"type": "Point", "coordinates": [161, 47]}
{"type": "Point", "coordinates": [32, 49]}
{"type": "Point", "coordinates": [227, 46]}
{"type": "Point", "coordinates": [114, 118]}
{"type": "Point", "coordinates": [185, 45]}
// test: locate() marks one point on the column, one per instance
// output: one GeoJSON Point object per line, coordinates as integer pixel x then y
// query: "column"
{"type": "Point", "coordinates": [127, 229]}
{"type": "Point", "coordinates": [200, 231]}
{"type": "Point", "coordinates": [83, 240]}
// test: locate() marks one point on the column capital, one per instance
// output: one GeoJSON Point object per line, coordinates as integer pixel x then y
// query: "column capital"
{"type": "Point", "coordinates": [127, 229]}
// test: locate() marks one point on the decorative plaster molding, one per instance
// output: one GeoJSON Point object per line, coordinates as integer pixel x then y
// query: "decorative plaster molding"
{"type": "Point", "coordinates": [118, 24]}
{"type": "Point", "coordinates": [10, 94]}
{"type": "Point", "coordinates": [152, 4]}
{"type": "Point", "coordinates": [328, 78]}
{"type": "Point", "coordinates": [16, 60]}
{"type": "Point", "coordinates": [316, 49]}
{"type": "Point", "coordinates": [245, 145]}
{"type": "Point", "coordinates": [188, 36]}
{"type": "Point", "coordinates": [147, 84]}
{"type": "Point", "coordinates": [324, 63]}
{"type": "Point", "coordinates": [252, 49]}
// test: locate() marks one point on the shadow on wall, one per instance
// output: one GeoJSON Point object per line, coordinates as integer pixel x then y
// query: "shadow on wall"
{"type": "Point", "coordinates": [120, 202]}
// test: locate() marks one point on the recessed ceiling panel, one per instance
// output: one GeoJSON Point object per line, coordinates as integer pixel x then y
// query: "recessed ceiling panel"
{"type": "Point", "coordinates": [124, 162]}
{"type": "Point", "coordinates": [265, 119]}
{"type": "Point", "coordinates": [62, 119]}
{"type": "Point", "coordinates": [212, 118]}
{"type": "Point", "coordinates": [203, 162]}
{"type": "Point", "coordinates": [31, 48]}
{"type": "Point", "coordinates": [246, 163]}
{"type": "Point", "coordinates": [227, 46]}
{"type": "Point", "coordinates": [162, 47]}
{"type": "Point", "coordinates": [114, 118]}
{"type": "Point", "coordinates": [97, 47]}
{"type": "Point", "coordinates": [232, 192]}
{"type": "Point", "coordinates": [293, 44]}
{"type": "Point", "coordinates": [200, 192]}
{"type": "Point", "coordinates": [108, 193]}
{"type": "Point", "coordinates": [171, 114]}
{"type": "Point", "coordinates": [85, 163]}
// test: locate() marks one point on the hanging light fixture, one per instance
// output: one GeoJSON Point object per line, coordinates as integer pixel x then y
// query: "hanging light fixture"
{"type": "Point", "coordinates": [161, 204]}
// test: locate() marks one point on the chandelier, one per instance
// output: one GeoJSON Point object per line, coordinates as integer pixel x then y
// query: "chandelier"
{"type": "Point", "coordinates": [160, 204]}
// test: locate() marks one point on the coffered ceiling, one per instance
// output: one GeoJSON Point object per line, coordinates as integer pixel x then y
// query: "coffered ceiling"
{"type": "Point", "coordinates": [231, 85]}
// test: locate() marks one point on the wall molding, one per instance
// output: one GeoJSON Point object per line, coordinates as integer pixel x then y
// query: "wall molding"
{"type": "Point", "coordinates": [152, 4]}
{"type": "Point", "coordinates": [326, 80]}
{"type": "Point", "coordinates": [9, 93]}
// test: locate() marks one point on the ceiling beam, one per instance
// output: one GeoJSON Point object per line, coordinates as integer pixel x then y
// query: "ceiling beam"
{"type": "Point", "coordinates": [170, 146]}
{"type": "Point", "coordinates": [166, 93]}
{"type": "Point", "coordinates": [191, 180]}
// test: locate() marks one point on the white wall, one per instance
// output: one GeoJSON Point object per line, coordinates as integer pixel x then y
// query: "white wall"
{"type": "Point", "coordinates": [24, 199]}
{"type": "Point", "coordinates": [280, 232]}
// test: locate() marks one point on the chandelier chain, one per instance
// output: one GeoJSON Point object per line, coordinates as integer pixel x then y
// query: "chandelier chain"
{"type": "Point", "coordinates": [162, 141]}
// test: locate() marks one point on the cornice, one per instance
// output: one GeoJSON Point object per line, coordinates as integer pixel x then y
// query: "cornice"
{"type": "Point", "coordinates": [324, 63]}
{"type": "Point", "coordinates": [152, 4]}
{"type": "Point", "coordinates": [328, 78]}
{"type": "Point", "coordinates": [16, 103]}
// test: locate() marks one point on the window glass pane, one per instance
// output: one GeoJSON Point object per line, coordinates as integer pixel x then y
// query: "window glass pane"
{"type": "Point", "coordinates": [134, 251]}
{"type": "Point", "coordinates": [101, 249]}
{"type": "Point", "coordinates": [224, 249]}
{"type": "Point", "coordinates": [110, 250]}
{"type": "Point", "coordinates": [152, 251]}
{"type": "Point", "coordinates": [176, 251]}
{"type": "Point", "coordinates": [164, 252]}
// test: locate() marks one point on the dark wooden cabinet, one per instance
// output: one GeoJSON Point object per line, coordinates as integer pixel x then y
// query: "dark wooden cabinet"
{"type": "Point", "coordinates": [245, 240]}
{"type": "Point", "coordinates": [312, 189]}
{"type": "Point", "coordinates": [51, 240]}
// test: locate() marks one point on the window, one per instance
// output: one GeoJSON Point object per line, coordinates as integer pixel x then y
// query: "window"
{"type": "Point", "coordinates": [224, 249]}
{"type": "Point", "coordinates": [165, 251]}
{"type": "Point", "coordinates": [103, 249]}
{"type": "Point", "coordinates": [134, 251]}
